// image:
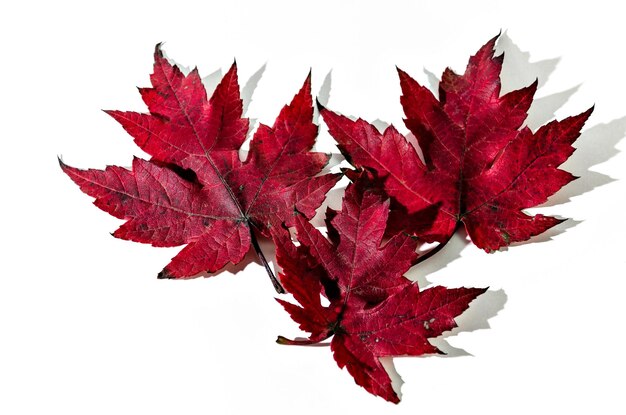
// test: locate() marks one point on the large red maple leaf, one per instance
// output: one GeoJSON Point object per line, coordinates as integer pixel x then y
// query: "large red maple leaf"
{"type": "Point", "coordinates": [480, 167]}
{"type": "Point", "coordinates": [195, 190]}
{"type": "Point", "coordinates": [374, 311]}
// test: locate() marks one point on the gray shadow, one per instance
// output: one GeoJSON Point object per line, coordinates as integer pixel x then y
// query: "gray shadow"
{"type": "Point", "coordinates": [334, 197]}
{"type": "Point", "coordinates": [246, 97]}
{"type": "Point", "coordinates": [248, 90]}
{"type": "Point", "coordinates": [595, 146]}
{"type": "Point", "coordinates": [448, 254]}
{"type": "Point", "coordinates": [517, 69]}
{"type": "Point", "coordinates": [476, 317]}
{"type": "Point", "coordinates": [543, 109]}
{"type": "Point", "coordinates": [211, 81]}
{"type": "Point", "coordinates": [333, 200]}
{"type": "Point", "coordinates": [413, 140]}
{"type": "Point", "coordinates": [433, 82]}
{"type": "Point", "coordinates": [183, 68]}
{"type": "Point", "coordinates": [323, 96]}
{"type": "Point", "coordinates": [380, 125]}
{"type": "Point", "coordinates": [396, 379]}
{"type": "Point", "coordinates": [335, 160]}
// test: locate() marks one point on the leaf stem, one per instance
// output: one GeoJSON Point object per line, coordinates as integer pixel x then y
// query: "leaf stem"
{"type": "Point", "coordinates": [255, 244]}
{"type": "Point", "coordinates": [303, 342]}
{"type": "Point", "coordinates": [436, 249]}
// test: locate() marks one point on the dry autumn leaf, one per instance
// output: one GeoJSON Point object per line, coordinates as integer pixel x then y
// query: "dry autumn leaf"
{"type": "Point", "coordinates": [195, 190]}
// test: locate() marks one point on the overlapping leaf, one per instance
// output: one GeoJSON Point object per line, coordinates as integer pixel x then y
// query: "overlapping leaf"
{"type": "Point", "coordinates": [480, 167]}
{"type": "Point", "coordinates": [195, 190]}
{"type": "Point", "coordinates": [374, 310]}
{"type": "Point", "coordinates": [475, 165]}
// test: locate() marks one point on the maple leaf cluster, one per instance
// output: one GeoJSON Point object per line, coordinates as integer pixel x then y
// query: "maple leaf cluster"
{"type": "Point", "coordinates": [475, 165]}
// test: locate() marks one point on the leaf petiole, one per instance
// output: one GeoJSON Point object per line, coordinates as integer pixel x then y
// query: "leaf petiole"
{"type": "Point", "coordinates": [257, 248]}
{"type": "Point", "coordinates": [436, 249]}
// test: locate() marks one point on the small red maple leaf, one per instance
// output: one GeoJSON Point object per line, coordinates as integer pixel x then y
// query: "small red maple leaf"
{"type": "Point", "coordinates": [480, 168]}
{"type": "Point", "coordinates": [195, 190]}
{"type": "Point", "coordinates": [374, 311]}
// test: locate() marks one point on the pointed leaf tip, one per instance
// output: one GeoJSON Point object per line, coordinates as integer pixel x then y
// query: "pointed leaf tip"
{"type": "Point", "coordinates": [306, 86]}
{"type": "Point", "coordinates": [495, 38]}
{"type": "Point", "coordinates": [319, 105]}
{"type": "Point", "coordinates": [164, 275]}
{"type": "Point", "coordinates": [158, 50]}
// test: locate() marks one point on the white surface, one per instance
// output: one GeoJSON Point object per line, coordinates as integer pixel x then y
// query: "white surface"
{"type": "Point", "coordinates": [85, 326]}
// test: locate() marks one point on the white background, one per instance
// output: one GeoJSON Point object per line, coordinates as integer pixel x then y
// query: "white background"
{"type": "Point", "coordinates": [86, 328]}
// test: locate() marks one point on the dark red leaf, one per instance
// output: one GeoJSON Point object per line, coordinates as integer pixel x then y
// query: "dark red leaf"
{"type": "Point", "coordinates": [374, 311]}
{"type": "Point", "coordinates": [399, 326]}
{"type": "Point", "coordinates": [196, 190]}
{"type": "Point", "coordinates": [481, 167]}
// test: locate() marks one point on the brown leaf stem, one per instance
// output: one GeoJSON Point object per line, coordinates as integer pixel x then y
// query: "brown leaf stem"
{"type": "Point", "coordinates": [255, 244]}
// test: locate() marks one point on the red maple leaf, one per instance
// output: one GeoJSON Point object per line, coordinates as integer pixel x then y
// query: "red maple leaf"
{"type": "Point", "coordinates": [195, 190]}
{"type": "Point", "coordinates": [374, 311]}
{"type": "Point", "coordinates": [480, 166]}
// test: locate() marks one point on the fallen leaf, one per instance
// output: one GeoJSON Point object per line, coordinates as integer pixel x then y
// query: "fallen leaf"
{"type": "Point", "coordinates": [480, 168]}
{"type": "Point", "coordinates": [373, 310]}
{"type": "Point", "coordinates": [195, 190]}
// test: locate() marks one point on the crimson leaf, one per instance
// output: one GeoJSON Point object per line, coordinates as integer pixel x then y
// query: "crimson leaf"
{"type": "Point", "coordinates": [480, 167]}
{"type": "Point", "coordinates": [374, 311]}
{"type": "Point", "coordinates": [195, 190]}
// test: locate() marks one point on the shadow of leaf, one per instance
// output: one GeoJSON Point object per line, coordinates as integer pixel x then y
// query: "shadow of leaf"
{"type": "Point", "coordinates": [517, 69]}
{"type": "Point", "coordinates": [476, 317]}
{"type": "Point", "coordinates": [248, 90]}
{"type": "Point", "coordinates": [211, 81]}
{"type": "Point", "coordinates": [323, 96]}
{"type": "Point", "coordinates": [544, 109]}
{"type": "Point", "coordinates": [450, 253]}
{"type": "Point", "coordinates": [595, 146]}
